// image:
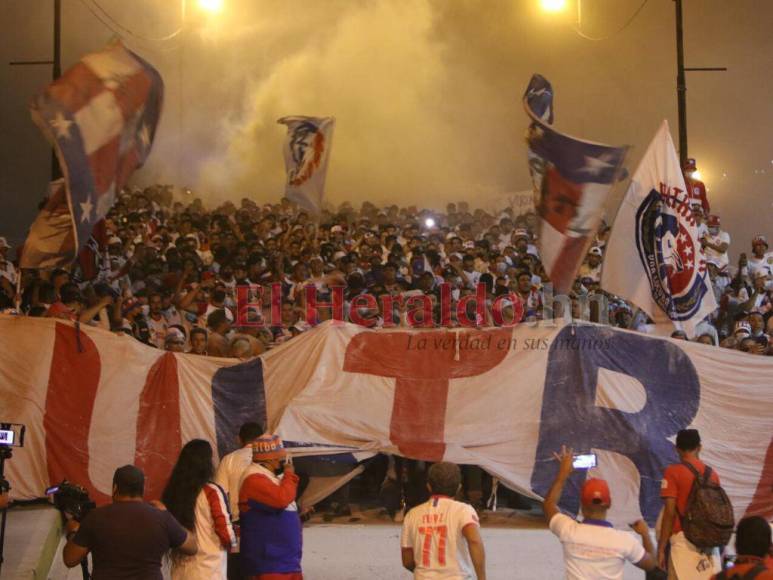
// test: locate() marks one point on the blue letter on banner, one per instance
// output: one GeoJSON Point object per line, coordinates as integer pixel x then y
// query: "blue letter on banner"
{"type": "Point", "coordinates": [570, 416]}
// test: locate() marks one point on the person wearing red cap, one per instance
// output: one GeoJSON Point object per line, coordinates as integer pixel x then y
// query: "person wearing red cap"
{"type": "Point", "coordinates": [593, 549]}
{"type": "Point", "coordinates": [696, 189]}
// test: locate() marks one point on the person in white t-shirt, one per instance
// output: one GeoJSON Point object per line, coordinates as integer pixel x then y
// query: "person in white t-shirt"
{"type": "Point", "coordinates": [591, 268]}
{"type": "Point", "coordinates": [716, 242]}
{"type": "Point", "coordinates": [441, 537]}
{"type": "Point", "coordinates": [229, 476]}
{"type": "Point", "coordinates": [700, 219]}
{"type": "Point", "coordinates": [593, 549]}
{"type": "Point", "coordinates": [761, 259]}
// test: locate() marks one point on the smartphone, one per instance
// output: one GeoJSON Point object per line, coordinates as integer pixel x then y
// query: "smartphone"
{"type": "Point", "coordinates": [7, 437]}
{"type": "Point", "coordinates": [584, 461]}
{"type": "Point", "coordinates": [12, 435]}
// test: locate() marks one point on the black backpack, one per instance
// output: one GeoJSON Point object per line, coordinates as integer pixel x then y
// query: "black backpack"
{"type": "Point", "coordinates": [708, 520]}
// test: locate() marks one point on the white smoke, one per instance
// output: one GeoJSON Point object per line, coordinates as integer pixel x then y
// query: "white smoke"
{"type": "Point", "coordinates": [410, 127]}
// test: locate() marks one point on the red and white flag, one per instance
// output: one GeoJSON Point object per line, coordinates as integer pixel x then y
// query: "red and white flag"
{"type": "Point", "coordinates": [101, 117]}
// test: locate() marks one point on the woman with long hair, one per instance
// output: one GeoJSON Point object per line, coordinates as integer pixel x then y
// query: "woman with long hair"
{"type": "Point", "coordinates": [201, 507]}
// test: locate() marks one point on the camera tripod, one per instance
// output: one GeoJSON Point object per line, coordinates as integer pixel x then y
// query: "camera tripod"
{"type": "Point", "coordinates": [5, 487]}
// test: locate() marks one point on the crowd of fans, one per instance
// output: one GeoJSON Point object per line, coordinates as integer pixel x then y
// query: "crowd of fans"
{"type": "Point", "coordinates": [169, 270]}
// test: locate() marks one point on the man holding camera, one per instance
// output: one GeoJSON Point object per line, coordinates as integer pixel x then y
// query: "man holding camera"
{"type": "Point", "coordinates": [271, 537]}
{"type": "Point", "coordinates": [128, 538]}
{"type": "Point", "coordinates": [593, 548]}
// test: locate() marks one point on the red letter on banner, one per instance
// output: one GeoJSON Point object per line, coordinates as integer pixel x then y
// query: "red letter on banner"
{"type": "Point", "coordinates": [421, 378]}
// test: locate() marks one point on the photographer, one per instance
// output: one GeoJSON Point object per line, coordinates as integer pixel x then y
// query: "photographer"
{"type": "Point", "coordinates": [128, 538]}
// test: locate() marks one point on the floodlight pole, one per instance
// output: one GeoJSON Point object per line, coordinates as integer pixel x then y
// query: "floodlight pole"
{"type": "Point", "coordinates": [56, 70]}
{"type": "Point", "coordinates": [681, 82]}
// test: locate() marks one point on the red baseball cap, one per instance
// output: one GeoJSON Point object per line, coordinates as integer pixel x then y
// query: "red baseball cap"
{"type": "Point", "coordinates": [595, 492]}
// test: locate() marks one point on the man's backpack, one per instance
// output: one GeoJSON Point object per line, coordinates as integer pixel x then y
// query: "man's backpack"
{"type": "Point", "coordinates": [708, 519]}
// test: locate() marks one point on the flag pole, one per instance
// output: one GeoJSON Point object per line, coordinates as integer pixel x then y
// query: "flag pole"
{"type": "Point", "coordinates": [56, 172]}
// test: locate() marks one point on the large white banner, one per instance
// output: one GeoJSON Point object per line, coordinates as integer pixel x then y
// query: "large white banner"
{"type": "Point", "coordinates": [504, 399]}
{"type": "Point", "coordinates": [654, 256]}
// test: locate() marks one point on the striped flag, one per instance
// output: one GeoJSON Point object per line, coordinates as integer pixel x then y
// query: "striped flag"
{"type": "Point", "coordinates": [572, 179]}
{"type": "Point", "coordinates": [306, 154]}
{"type": "Point", "coordinates": [101, 117]}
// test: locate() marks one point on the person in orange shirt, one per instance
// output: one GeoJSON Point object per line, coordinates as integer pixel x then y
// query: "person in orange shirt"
{"type": "Point", "coordinates": [675, 552]}
{"type": "Point", "coordinates": [752, 544]}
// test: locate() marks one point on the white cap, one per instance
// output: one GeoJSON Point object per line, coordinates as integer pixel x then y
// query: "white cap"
{"type": "Point", "coordinates": [743, 328]}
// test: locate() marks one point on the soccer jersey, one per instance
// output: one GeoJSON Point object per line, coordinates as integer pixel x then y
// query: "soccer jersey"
{"type": "Point", "coordinates": [677, 483]}
{"type": "Point", "coordinates": [433, 530]}
{"type": "Point", "coordinates": [721, 259]}
{"type": "Point", "coordinates": [764, 264]}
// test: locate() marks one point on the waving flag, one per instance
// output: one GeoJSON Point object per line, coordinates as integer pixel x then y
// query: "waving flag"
{"type": "Point", "coordinates": [654, 257]}
{"type": "Point", "coordinates": [571, 180]}
{"type": "Point", "coordinates": [93, 400]}
{"type": "Point", "coordinates": [306, 153]}
{"type": "Point", "coordinates": [101, 117]}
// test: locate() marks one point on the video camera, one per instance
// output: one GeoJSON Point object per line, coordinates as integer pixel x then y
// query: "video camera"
{"type": "Point", "coordinates": [71, 499]}
{"type": "Point", "coordinates": [11, 435]}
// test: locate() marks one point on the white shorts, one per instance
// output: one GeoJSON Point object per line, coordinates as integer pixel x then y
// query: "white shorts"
{"type": "Point", "coordinates": [686, 562]}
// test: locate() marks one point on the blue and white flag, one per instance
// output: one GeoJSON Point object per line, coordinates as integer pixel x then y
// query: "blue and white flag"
{"type": "Point", "coordinates": [654, 256]}
{"type": "Point", "coordinates": [306, 153]}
